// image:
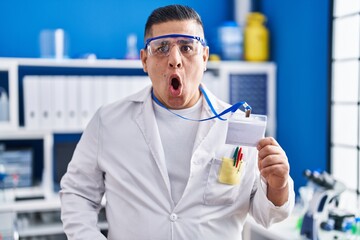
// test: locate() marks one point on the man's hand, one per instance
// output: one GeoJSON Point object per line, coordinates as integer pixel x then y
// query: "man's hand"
{"type": "Point", "coordinates": [274, 167]}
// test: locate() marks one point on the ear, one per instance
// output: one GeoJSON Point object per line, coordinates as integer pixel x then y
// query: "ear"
{"type": "Point", "coordinates": [143, 57]}
{"type": "Point", "coordinates": [206, 55]}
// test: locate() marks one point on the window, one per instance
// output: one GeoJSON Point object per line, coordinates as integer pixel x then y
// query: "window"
{"type": "Point", "coordinates": [345, 98]}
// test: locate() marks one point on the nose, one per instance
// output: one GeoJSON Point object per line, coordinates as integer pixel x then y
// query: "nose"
{"type": "Point", "coordinates": [174, 59]}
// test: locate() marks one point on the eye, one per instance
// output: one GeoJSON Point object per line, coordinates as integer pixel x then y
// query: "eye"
{"type": "Point", "coordinates": [163, 49]}
{"type": "Point", "coordinates": [186, 48]}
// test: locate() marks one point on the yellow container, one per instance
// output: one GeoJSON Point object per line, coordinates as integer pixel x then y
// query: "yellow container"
{"type": "Point", "coordinates": [256, 38]}
{"type": "Point", "coordinates": [229, 174]}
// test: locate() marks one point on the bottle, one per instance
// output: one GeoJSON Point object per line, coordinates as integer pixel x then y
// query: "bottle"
{"type": "Point", "coordinates": [231, 41]}
{"type": "Point", "coordinates": [132, 50]}
{"type": "Point", "coordinates": [357, 228]}
{"type": "Point", "coordinates": [256, 38]}
{"type": "Point", "coordinates": [4, 105]}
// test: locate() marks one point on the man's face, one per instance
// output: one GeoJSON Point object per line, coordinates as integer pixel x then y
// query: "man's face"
{"type": "Point", "coordinates": [175, 64]}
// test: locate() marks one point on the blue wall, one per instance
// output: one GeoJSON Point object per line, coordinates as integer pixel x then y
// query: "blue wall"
{"type": "Point", "coordinates": [299, 46]}
{"type": "Point", "coordinates": [93, 26]}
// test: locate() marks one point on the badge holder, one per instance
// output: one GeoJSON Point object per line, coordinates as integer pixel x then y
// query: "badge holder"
{"type": "Point", "coordinates": [246, 131]}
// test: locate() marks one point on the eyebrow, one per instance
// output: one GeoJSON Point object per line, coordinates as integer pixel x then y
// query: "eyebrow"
{"type": "Point", "coordinates": [185, 40]}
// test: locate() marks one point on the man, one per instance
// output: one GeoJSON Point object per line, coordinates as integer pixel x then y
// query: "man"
{"type": "Point", "coordinates": [160, 171]}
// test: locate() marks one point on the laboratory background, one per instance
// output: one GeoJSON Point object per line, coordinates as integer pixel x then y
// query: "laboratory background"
{"type": "Point", "coordinates": [306, 81]}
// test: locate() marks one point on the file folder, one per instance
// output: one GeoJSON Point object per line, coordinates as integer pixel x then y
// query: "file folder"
{"type": "Point", "coordinates": [113, 89]}
{"type": "Point", "coordinates": [72, 118]}
{"type": "Point", "coordinates": [31, 102]}
{"type": "Point", "coordinates": [100, 91]}
{"type": "Point", "coordinates": [58, 102]}
{"type": "Point", "coordinates": [86, 100]}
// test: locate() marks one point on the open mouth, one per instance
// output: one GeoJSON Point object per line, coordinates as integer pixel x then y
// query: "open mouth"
{"type": "Point", "coordinates": [175, 85]}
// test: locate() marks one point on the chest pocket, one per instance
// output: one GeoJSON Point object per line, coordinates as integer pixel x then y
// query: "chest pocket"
{"type": "Point", "coordinates": [217, 193]}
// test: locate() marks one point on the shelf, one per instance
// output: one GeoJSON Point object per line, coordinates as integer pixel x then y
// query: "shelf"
{"type": "Point", "coordinates": [41, 206]}
{"type": "Point", "coordinates": [41, 230]}
{"type": "Point", "coordinates": [50, 203]}
{"type": "Point", "coordinates": [23, 133]}
{"type": "Point", "coordinates": [42, 62]}
{"type": "Point", "coordinates": [117, 63]}
{"type": "Point", "coordinates": [49, 229]}
{"type": "Point", "coordinates": [31, 205]}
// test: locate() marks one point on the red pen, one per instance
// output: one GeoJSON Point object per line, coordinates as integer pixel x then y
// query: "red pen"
{"type": "Point", "coordinates": [238, 169]}
{"type": "Point", "coordinates": [239, 157]}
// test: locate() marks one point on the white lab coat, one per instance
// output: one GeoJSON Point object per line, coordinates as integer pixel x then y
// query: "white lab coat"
{"type": "Point", "coordinates": [120, 154]}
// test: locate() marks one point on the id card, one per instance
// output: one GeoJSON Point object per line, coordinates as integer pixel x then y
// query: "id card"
{"type": "Point", "coordinates": [246, 131]}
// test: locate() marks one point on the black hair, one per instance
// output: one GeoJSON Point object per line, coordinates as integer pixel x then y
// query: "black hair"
{"type": "Point", "coordinates": [171, 13]}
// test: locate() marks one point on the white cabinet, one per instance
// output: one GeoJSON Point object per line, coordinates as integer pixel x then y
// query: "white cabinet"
{"type": "Point", "coordinates": [35, 87]}
{"type": "Point", "coordinates": [36, 219]}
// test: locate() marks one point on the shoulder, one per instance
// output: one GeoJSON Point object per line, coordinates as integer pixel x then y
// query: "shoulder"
{"type": "Point", "coordinates": [125, 107]}
{"type": "Point", "coordinates": [133, 99]}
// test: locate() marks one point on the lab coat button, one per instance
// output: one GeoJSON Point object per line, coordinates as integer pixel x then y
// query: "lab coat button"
{"type": "Point", "coordinates": [173, 217]}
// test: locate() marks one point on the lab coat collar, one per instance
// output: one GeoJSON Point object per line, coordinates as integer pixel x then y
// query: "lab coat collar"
{"type": "Point", "coordinates": [142, 95]}
{"type": "Point", "coordinates": [146, 121]}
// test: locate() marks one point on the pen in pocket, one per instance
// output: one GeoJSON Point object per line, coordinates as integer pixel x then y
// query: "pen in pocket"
{"type": "Point", "coordinates": [237, 156]}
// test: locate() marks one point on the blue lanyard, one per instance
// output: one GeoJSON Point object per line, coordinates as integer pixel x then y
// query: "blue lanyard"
{"type": "Point", "coordinates": [231, 109]}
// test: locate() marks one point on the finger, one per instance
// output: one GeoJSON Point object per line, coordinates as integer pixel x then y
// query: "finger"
{"type": "Point", "coordinates": [283, 163]}
{"type": "Point", "coordinates": [276, 182]}
{"type": "Point", "coordinates": [267, 141]}
{"type": "Point", "coordinates": [269, 150]}
{"type": "Point", "coordinates": [272, 160]}
{"type": "Point", "coordinates": [277, 170]}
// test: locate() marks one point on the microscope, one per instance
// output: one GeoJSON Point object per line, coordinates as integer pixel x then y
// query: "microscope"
{"type": "Point", "coordinates": [326, 191]}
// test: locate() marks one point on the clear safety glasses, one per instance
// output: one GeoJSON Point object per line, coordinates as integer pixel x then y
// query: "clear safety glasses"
{"type": "Point", "coordinates": [187, 45]}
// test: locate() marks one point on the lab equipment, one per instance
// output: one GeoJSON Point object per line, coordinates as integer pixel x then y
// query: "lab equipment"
{"type": "Point", "coordinates": [54, 43]}
{"type": "Point", "coordinates": [256, 38]}
{"type": "Point", "coordinates": [231, 41]}
{"type": "Point", "coordinates": [17, 168]}
{"type": "Point", "coordinates": [326, 190]}
{"type": "Point", "coordinates": [132, 51]}
{"type": "Point", "coordinates": [340, 218]}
